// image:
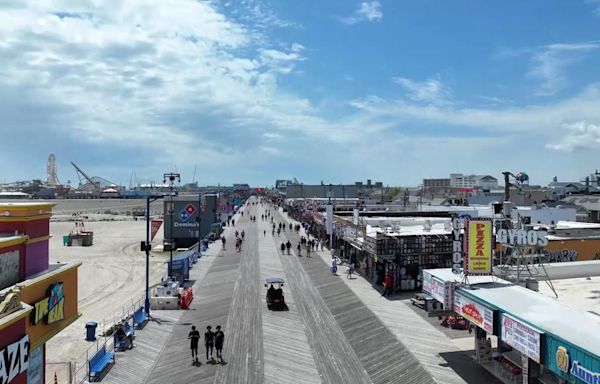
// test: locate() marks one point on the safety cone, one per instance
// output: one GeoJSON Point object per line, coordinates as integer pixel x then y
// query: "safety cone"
{"type": "Point", "coordinates": [55, 378]}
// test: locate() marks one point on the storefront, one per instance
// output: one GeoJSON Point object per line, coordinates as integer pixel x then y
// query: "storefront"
{"type": "Point", "coordinates": [405, 256]}
{"type": "Point", "coordinates": [38, 300]}
{"type": "Point", "coordinates": [538, 340]}
{"type": "Point", "coordinates": [15, 356]}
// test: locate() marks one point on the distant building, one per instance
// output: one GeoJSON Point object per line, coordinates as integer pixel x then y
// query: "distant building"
{"type": "Point", "coordinates": [436, 186]}
{"type": "Point", "coordinates": [458, 180]}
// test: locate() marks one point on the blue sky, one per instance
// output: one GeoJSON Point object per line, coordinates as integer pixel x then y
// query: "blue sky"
{"type": "Point", "coordinates": [339, 91]}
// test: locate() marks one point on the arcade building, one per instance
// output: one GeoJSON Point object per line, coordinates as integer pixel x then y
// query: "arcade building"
{"type": "Point", "coordinates": [37, 300]}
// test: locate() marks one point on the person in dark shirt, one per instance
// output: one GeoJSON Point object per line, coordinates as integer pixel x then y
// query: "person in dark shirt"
{"type": "Point", "coordinates": [209, 337]}
{"type": "Point", "coordinates": [122, 335]}
{"type": "Point", "coordinates": [219, 339]}
{"type": "Point", "coordinates": [194, 337]}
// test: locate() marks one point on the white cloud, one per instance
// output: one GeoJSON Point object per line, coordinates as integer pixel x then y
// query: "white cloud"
{"type": "Point", "coordinates": [551, 61]}
{"type": "Point", "coordinates": [429, 91]}
{"type": "Point", "coordinates": [367, 11]}
{"type": "Point", "coordinates": [546, 121]}
{"type": "Point", "coordinates": [579, 135]}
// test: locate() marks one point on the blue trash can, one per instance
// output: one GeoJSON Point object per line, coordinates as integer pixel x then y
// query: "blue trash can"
{"type": "Point", "coordinates": [90, 328]}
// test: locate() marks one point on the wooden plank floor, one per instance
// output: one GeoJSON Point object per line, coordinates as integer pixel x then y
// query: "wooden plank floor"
{"type": "Point", "coordinates": [243, 343]}
{"type": "Point", "coordinates": [328, 335]}
{"type": "Point", "coordinates": [382, 357]}
{"type": "Point", "coordinates": [288, 358]}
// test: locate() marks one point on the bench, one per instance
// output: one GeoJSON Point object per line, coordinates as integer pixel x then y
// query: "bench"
{"type": "Point", "coordinates": [139, 318]}
{"type": "Point", "coordinates": [126, 342]}
{"type": "Point", "coordinates": [99, 363]}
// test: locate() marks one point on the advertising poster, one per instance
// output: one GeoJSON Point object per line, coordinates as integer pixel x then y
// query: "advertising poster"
{"type": "Point", "coordinates": [427, 282]}
{"type": "Point", "coordinates": [437, 290]}
{"type": "Point", "coordinates": [478, 314]}
{"type": "Point", "coordinates": [329, 219]}
{"type": "Point", "coordinates": [521, 337]}
{"type": "Point", "coordinates": [478, 247]}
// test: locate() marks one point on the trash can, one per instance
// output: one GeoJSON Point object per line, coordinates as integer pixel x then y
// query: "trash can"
{"type": "Point", "coordinates": [90, 328]}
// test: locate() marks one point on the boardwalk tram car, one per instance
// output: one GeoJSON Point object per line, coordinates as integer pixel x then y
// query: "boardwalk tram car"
{"type": "Point", "coordinates": [275, 299]}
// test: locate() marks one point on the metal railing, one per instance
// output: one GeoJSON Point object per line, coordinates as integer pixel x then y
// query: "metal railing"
{"type": "Point", "coordinates": [77, 370]}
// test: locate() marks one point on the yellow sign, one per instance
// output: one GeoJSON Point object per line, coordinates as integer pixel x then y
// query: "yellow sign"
{"type": "Point", "coordinates": [479, 247]}
{"type": "Point", "coordinates": [562, 359]}
{"type": "Point", "coordinates": [51, 308]}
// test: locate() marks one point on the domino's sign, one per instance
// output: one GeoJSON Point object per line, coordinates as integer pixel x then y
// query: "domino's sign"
{"type": "Point", "coordinates": [187, 212]}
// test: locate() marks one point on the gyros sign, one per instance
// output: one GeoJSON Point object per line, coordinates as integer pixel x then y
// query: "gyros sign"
{"type": "Point", "coordinates": [522, 237]}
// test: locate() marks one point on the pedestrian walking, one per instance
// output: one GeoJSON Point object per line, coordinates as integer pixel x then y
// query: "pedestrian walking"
{"type": "Point", "coordinates": [265, 232]}
{"type": "Point", "coordinates": [308, 251]}
{"type": "Point", "coordinates": [194, 337]}
{"type": "Point", "coordinates": [282, 248]}
{"type": "Point", "coordinates": [299, 250]}
{"type": "Point", "coordinates": [209, 337]}
{"type": "Point", "coordinates": [388, 283]}
{"type": "Point", "coordinates": [219, 339]}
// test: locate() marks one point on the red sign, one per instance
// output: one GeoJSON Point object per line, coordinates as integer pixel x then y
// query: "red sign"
{"type": "Point", "coordinates": [155, 226]}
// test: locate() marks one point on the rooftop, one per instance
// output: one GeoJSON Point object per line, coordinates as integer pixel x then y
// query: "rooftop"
{"type": "Point", "coordinates": [538, 310]}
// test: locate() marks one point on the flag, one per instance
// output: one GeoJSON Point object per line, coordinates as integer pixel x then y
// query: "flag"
{"type": "Point", "coordinates": [155, 226]}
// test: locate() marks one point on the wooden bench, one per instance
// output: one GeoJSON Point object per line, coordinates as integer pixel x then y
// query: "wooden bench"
{"type": "Point", "coordinates": [139, 318]}
{"type": "Point", "coordinates": [126, 342]}
{"type": "Point", "coordinates": [99, 363]}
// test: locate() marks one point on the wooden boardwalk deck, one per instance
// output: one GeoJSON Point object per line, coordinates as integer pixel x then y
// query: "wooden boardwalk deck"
{"type": "Point", "coordinates": [328, 335]}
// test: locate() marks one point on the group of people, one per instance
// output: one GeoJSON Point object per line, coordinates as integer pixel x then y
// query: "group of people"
{"type": "Point", "coordinates": [212, 340]}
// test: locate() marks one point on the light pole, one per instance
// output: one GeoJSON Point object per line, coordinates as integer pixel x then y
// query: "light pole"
{"type": "Point", "coordinates": [147, 247]}
{"type": "Point", "coordinates": [171, 177]}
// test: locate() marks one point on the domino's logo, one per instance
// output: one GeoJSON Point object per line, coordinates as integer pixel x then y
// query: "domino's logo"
{"type": "Point", "coordinates": [187, 212]}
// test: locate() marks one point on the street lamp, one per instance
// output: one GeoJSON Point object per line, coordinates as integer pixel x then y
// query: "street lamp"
{"type": "Point", "coordinates": [171, 177]}
{"type": "Point", "coordinates": [147, 247]}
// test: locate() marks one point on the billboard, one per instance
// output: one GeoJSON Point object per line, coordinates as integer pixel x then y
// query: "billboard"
{"type": "Point", "coordinates": [478, 247]}
{"type": "Point", "coordinates": [476, 313]}
{"type": "Point", "coordinates": [185, 228]}
{"type": "Point", "coordinates": [521, 337]}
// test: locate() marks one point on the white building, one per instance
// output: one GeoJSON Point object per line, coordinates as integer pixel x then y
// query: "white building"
{"type": "Point", "coordinates": [458, 180]}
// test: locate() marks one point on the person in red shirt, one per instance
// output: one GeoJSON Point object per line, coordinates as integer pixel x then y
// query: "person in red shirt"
{"type": "Point", "coordinates": [388, 284]}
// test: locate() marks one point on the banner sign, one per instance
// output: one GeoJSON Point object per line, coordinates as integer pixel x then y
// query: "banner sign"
{"type": "Point", "coordinates": [355, 216]}
{"type": "Point", "coordinates": [14, 360]}
{"type": "Point", "coordinates": [521, 337]}
{"type": "Point", "coordinates": [427, 280]}
{"type": "Point", "coordinates": [329, 219]}
{"type": "Point", "coordinates": [478, 247]}
{"type": "Point", "coordinates": [437, 290]}
{"type": "Point", "coordinates": [154, 227]}
{"type": "Point", "coordinates": [478, 314]}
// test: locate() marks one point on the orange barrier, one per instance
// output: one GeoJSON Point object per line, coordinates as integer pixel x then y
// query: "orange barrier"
{"type": "Point", "coordinates": [186, 298]}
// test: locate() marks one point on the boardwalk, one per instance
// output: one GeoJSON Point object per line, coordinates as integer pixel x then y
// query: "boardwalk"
{"type": "Point", "coordinates": [334, 331]}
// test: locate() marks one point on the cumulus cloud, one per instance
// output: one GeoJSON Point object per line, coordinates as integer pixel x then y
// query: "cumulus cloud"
{"type": "Point", "coordinates": [579, 135]}
{"type": "Point", "coordinates": [367, 11]}
{"type": "Point", "coordinates": [429, 91]}
{"type": "Point", "coordinates": [177, 80]}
